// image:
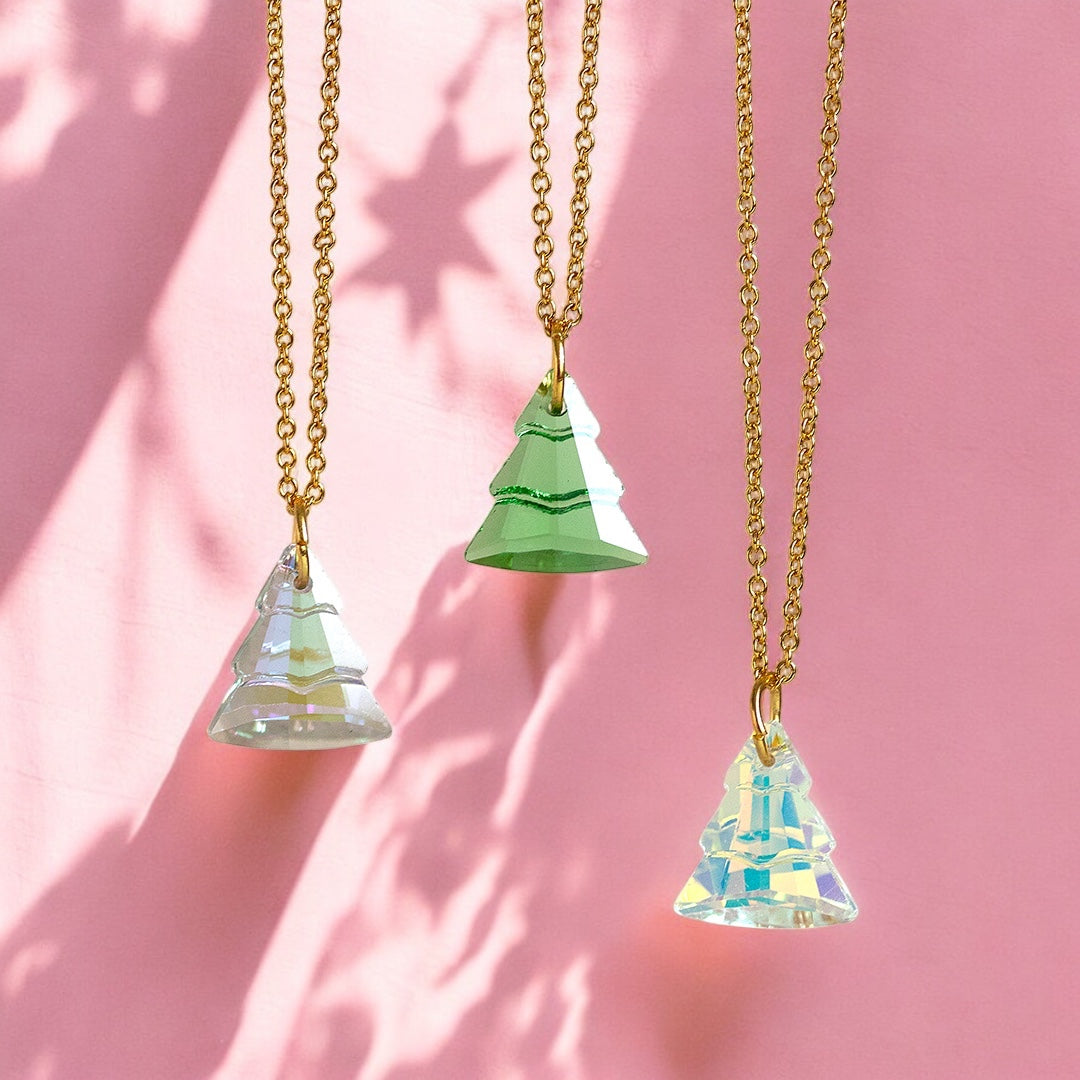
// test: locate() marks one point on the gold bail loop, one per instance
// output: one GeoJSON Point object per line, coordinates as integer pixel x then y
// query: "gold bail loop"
{"type": "Point", "coordinates": [768, 682]}
{"type": "Point", "coordinates": [558, 368]}
{"type": "Point", "coordinates": [300, 543]}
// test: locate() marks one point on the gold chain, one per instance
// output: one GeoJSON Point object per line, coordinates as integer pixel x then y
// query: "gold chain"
{"type": "Point", "coordinates": [813, 352]}
{"type": "Point", "coordinates": [560, 324]}
{"type": "Point", "coordinates": [324, 269]}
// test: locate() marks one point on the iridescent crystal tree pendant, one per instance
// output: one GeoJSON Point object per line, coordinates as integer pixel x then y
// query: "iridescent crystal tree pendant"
{"type": "Point", "coordinates": [556, 498]}
{"type": "Point", "coordinates": [767, 849]}
{"type": "Point", "coordinates": [299, 675]}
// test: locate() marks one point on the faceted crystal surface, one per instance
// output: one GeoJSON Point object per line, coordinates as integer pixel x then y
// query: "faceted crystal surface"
{"type": "Point", "coordinates": [556, 497]}
{"type": "Point", "coordinates": [299, 675]}
{"type": "Point", "coordinates": [767, 849]}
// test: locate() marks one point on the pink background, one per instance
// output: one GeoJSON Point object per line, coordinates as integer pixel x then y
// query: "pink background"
{"type": "Point", "coordinates": [488, 895]}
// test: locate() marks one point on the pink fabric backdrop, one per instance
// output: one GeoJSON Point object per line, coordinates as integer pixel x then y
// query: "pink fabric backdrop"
{"type": "Point", "coordinates": [488, 894]}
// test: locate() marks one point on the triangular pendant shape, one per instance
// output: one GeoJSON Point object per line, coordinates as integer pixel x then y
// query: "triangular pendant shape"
{"type": "Point", "coordinates": [767, 850]}
{"type": "Point", "coordinates": [556, 498]}
{"type": "Point", "coordinates": [299, 675]}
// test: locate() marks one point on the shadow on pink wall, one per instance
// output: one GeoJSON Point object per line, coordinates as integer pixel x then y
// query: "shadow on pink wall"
{"type": "Point", "coordinates": [90, 241]}
{"type": "Point", "coordinates": [138, 962]}
{"type": "Point", "coordinates": [423, 214]}
{"type": "Point", "coordinates": [519, 866]}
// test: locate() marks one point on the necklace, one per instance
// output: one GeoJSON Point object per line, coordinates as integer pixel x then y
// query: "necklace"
{"type": "Point", "coordinates": [767, 849]}
{"type": "Point", "coordinates": [299, 675]}
{"type": "Point", "coordinates": [556, 497]}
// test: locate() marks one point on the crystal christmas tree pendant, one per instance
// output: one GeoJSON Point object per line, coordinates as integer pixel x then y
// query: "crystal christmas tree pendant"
{"type": "Point", "coordinates": [299, 675]}
{"type": "Point", "coordinates": [767, 850]}
{"type": "Point", "coordinates": [556, 498]}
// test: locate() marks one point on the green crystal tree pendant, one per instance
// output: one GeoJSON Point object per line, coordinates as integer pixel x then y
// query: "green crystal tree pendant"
{"type": "Point", "coordinates": [556, 499]}
{"type": "Point", "coordinates": [767, 850]}
{"type": "Point", "coordinates": [299, 675]}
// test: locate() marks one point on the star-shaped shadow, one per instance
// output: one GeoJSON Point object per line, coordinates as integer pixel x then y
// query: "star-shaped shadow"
{"type": "Point", "coordinates": [425, 216]}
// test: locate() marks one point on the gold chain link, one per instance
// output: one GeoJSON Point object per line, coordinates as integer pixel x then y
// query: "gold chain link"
{"type": "Point", "coordinates": [324, 269]}
{"type": "Point", "coordinates": [813, 352]}
{"type": "Point", "coordinates": [556, 323]}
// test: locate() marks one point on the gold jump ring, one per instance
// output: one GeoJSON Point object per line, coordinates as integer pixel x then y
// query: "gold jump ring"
{"type": "Point", "coordinates": [300, 544]}
{"type": "Point", "coordinates": [558, 370]}
{"type": "Point", "coordinates": [767, 682]}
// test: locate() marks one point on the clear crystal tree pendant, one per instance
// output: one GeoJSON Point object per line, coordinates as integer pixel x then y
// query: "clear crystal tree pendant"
{"type": "Point", "coordinates": [767, 849]}
{"type": "Point", "coordinates": [556, 498]}
{"type": "Point", "coordinates": [299, 675]}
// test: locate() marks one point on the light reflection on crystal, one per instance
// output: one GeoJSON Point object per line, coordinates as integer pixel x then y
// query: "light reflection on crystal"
{"type": "Point", "coordinates": [767, 850]}
{"type": "Point", "coordinates": [299, 675]}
